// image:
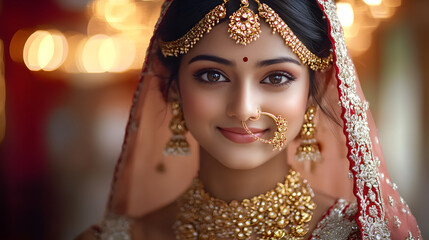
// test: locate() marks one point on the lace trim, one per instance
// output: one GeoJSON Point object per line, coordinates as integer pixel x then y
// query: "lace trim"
{"type": "Point", "coordinates": [364, 165]}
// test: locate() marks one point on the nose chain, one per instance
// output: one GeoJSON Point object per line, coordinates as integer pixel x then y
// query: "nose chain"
{"type": "Point", "coordinates": [279, 139]}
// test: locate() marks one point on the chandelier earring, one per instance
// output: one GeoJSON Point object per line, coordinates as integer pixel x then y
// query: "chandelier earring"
{"type": "Point", "coordinates": [177, 144]}
{"type": "Point", "coordinates": [308, 150]}
{"type": "Point", "coordinates": [279, 139]}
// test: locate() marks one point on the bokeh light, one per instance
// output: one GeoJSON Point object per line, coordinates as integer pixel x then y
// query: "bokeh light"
{"type": "Point", "coordinates": [372, 2]}
{"type": "Point", "coordinates": [345, 13]}
{"type": "Point", "coordinates": [382, 11]}
{"type": "Point", "coordinates": [72, 63]}
{"type": "Point", "coordinates": [17, 43]}
{"type": "Point", "coordinates": [91, 54]}
{"type": "Point", "coordinates": [102, 53]}
{"type": "Point", "coordinates": [45, 50]}
{"type": "Point", "coordinates": [118, 33]}
{"type": "Point", "coordinates": [119, 11]}
{"type": "Point", "coordinates": [125, 52]}
{"type": "Point", "coordinates": [392, 3]}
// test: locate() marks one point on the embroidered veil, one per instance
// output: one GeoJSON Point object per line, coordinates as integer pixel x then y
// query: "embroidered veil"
{"type": "Point", "coordinates": [352, 168]}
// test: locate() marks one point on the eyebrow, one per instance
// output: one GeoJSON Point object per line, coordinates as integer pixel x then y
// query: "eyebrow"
{"type": "Point", "coordinates": [211, 58]}
{"type": "Point", "coordinates": [277, 60]}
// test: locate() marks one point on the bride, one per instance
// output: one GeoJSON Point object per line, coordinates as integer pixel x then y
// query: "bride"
{"type": "Point", "coordinates": [249, 123]}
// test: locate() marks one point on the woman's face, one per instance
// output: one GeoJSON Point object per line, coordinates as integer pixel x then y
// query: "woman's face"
{"type": "Point", "coordinates": [222, 83]}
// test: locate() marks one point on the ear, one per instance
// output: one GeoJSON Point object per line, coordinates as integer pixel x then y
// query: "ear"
{"type": "Point", "coordinates": [326, 76]}
{"type": "Point", "coordinates": [174, 91]}
{"type": "Point", "coordinates": [322, 79]}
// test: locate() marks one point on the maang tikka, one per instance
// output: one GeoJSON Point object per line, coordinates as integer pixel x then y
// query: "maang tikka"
{"type": "Point", "coordinates": [177, 144]}
{"type": "Point", "coordinates": [308, 150]}
{"type": "Point", "coordinates": [244, 26]}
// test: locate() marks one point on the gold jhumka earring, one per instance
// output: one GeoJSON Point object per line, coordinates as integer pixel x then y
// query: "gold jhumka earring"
{"type": "Point", "coordinates": [309, 148]}
{"type": "Point", "coordinates": [279, 139]}
{"type": "Point", "coordinates": [177, 144]}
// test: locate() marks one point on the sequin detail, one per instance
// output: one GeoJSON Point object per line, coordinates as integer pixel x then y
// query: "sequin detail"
{"type": "Point", "coordinates": [364, 164]}
{"type": "Point", "coordinates": [397, 222]}
{"type": "Point", "coordinates": [115, 227]}
{"type": "Point", "coordinates": [339, 223]}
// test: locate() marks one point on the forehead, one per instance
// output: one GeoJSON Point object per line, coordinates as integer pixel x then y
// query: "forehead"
{"type": "Point", "coordinates": [219, 43]}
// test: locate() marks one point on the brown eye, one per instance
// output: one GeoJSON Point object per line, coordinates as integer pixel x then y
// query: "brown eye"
{"type": "Point", "coordinates": [278, 79]}
{"type": "Point", "coordinates": [211, 76]}
{"type": "Point", "coordinates": [275, 79]}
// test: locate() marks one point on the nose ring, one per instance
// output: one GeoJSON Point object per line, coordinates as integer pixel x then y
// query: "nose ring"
{"type": "Point", "coordinates": [256, 118]}
{"type": "Point", "coordinates": [279, 139]}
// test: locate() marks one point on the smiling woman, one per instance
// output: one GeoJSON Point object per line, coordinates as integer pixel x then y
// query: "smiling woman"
{"type": "Point", "coordinates": [218, 91]}
{"type": "Point", "coordinates": [226, 70]}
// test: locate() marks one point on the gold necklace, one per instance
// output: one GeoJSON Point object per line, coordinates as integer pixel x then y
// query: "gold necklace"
{"type": "Point", "coordinates": [282, 213]}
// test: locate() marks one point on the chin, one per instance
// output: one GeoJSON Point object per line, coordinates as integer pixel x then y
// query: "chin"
{"type": "Point", "coordinates": [244, 161]}
{"type": "Point", "coordinates": [241, 164]}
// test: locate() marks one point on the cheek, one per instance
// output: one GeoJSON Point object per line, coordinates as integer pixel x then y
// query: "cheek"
{"type": "Point", "coordinates": [199, 106]}
{"type": "Point", "coordinates": [292, 107]}
{"type": "Point", "coordinates": [295, 116]}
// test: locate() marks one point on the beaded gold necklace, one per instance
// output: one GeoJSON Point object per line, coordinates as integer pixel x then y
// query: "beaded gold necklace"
{"type": "Point", "coordinates": [282, 213]}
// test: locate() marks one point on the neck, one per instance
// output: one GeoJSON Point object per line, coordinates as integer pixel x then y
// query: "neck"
{"type": "Point", "coordinates": [231, 184]}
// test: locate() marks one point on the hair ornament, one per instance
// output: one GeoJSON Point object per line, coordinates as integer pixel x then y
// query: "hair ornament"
{"type": "Point", "coordinates": [188, 41]}
{"type": "Point", "coordinates": [278, 25]}
{"type": "Point", "coordinates": [244, 27]}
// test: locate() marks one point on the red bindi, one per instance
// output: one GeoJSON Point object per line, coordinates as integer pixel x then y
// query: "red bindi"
{"type": "Point", "coordinates": [245, 59]}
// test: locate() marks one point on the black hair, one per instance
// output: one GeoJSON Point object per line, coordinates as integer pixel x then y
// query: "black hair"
{"type": "Point", "coordinates": [305, 18]}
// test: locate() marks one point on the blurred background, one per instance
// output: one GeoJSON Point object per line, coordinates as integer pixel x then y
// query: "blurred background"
{"type": "Point", "coordinates": [68, 69]}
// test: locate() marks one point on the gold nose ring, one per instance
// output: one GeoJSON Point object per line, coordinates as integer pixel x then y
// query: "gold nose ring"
{"type": "Point", "coordinates": [279, 139]}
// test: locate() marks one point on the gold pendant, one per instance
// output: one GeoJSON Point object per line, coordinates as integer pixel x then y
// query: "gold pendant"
{"type": "Point", "coordinates": [244, 26]}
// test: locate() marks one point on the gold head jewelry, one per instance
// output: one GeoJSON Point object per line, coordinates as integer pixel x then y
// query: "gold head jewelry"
{"type": "Point", "coordinates": [281, 213]}
{"type": "Point", "coordinates": [279, 139]}
{"type": "Point", "coordinates": [244, 27]}
{"type": "Point", "coordinates": [308, 150]}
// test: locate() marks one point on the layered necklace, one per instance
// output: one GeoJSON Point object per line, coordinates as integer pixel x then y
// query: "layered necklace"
{"type": "Point", "coordinates": [281, 213]}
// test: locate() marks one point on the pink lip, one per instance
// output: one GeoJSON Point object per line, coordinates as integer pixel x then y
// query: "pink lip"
{"type": "Point", "coordinates": [239, 135]}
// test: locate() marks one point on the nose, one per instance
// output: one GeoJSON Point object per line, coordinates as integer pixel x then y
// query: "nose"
{"type": "Point", "coordinates": [243, 103]}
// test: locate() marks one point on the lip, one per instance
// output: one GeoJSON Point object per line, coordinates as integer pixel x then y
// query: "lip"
{"type": "Point", "coordinates": [239, 135]}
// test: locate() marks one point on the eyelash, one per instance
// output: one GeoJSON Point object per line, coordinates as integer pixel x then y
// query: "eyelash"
{"type": "Point", "coordinates": [290, 78]}
{"type": "Point", "coordinates": [198, 76]}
